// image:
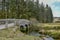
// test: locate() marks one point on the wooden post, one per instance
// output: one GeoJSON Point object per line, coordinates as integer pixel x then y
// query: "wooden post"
{"type": "Point", "coordinates": [14, 22]}
{"type": "Point", "coordinates": [6, 24]}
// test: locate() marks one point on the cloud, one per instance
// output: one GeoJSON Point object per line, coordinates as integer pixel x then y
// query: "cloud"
{"type": "Point", "coordinates": [47, 1]}
{"type": "Point", "coordinates": [56, 5]}
{"type": "Point", "coordinates": [56, 8]}
{"type": "Point", "coordinates": [58, 0]}
{"type": "Point", "coordinates": [56, 14]}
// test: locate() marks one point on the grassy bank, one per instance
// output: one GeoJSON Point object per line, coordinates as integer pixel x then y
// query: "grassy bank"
{"type": "Point", "coordinates": [9, 34]}
{"type": "Point", "coordinates": [52, 29]}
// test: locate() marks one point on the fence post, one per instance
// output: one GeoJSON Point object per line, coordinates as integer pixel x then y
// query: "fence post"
{"type": "Point", "coordinates": [6, 24]}
{"type": "Point", "coordinates": [15, 22]}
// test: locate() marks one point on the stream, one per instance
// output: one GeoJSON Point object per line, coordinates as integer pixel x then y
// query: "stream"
{"type": "Point", "coordinates": [37, 34]}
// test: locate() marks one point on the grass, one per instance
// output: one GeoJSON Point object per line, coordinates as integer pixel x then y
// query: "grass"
{"type": "Point", "coordinates": [52, 29]}
{"type": "Point", "coordinates": [9, 34]}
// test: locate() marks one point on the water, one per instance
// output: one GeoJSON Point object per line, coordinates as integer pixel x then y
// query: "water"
{"type": "Point", "coordinates": [4, 26]}
{"type": "Point", "coordinates": [34, 34]}
{"type": "Point", "coordinates": [37, 34]}
{"type": "Point", "coordinates": [49, 38]}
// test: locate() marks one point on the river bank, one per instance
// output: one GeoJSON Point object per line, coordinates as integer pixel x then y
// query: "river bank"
{"type": "Point", "coordinates": [9, 34]}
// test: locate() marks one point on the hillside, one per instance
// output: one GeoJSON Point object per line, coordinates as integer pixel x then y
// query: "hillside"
{"type": "Point", "coordinates": [56, 19]}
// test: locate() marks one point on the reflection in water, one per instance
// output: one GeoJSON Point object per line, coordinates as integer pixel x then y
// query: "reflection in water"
{"type": "Point", "coordinates": [37, 34]}
{"type": "Point", "coordinates": [49, 38]}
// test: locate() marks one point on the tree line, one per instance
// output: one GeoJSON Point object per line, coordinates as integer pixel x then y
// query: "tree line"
{"type": "Point", "coordinates": [26, 9]}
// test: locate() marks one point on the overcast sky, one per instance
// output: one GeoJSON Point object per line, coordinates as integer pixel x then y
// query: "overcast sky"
{"type": "Point", "coordinates": [55, 5]}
